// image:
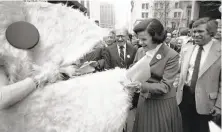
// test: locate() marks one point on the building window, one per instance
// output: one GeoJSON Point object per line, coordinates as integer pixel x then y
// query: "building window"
{"type": "Point", "coordinates": [167, 14]}
{"type": "Point", "coordinates": [156, 5]}
{"type": "Point", "coordinates": [147, 6]}
{"type": "Point", "coordinates": [145, 14]}
{"type": "Point", "coordinates": [167, 5]}
{"type": "Point", "coordinates": [82, 2]}
{"type": "Point", "coordinates": [155, 14]}
{"type": "Point", "coordinates": [189, 13]}
{"type": "Point", "coordinates": [143, 6]}
{"type": "Point", "coordinates": [161, 5]}
{"type": "Point", "coordinates": [173, 25]}
{"type": "Point", "coordinates": [179, 14]}
{"type": "Point", "coordinates": [176, 5]}
{"type": "Point", "coordinates": [175, 14]}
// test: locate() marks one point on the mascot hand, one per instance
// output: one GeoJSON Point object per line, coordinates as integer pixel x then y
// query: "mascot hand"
{"type": "Point", "coordinates": [69, 71]}
{"type": "Point", "coordinates": [48, 73]}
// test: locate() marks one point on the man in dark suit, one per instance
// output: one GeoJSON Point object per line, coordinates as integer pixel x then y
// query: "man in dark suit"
{"type": "Point", "coordinates": [171, 42]}
{"type": "Point", "coordinates": [96, 57]}
{"type": "Point", "coordinates": [121, 54]}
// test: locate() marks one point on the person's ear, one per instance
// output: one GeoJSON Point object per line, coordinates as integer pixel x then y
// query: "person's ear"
{"type": "Point", "coordinates": [22, 35]}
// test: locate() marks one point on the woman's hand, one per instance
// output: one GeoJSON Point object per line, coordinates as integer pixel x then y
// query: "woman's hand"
{"type": "Point", "coordinates": [134, 86]}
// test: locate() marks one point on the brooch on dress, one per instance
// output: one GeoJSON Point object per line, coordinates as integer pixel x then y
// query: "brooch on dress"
{"type": "Point", "coordinates": [158, 56]}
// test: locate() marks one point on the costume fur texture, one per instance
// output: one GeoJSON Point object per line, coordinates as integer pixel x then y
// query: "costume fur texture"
{"type": "Point", "coordinates": [90, 103]}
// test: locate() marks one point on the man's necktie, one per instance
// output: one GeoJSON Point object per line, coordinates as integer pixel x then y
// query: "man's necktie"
{"type": "Point", "coordinates": [121, 55]}
{"type": "Point", "coordinates": [196, 70]}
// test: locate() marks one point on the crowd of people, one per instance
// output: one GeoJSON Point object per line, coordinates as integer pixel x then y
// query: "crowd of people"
{"type": "Point", "coordinates": [184, 87]}
{"type": "Point", "coordinates": [184, 90]}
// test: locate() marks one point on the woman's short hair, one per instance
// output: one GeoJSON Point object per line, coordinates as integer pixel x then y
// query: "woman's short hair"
{"type": "Point", "coordinates": [154, 28]}
{"type": "Point", "coordinates": [211, 25]}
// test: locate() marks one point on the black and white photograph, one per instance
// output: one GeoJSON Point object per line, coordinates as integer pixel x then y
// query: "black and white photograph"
{"type": "Point", "coordinates": [110, 66]}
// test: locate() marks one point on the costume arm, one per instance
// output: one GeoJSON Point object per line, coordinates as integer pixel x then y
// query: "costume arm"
{"type": "Point", "coordinates": [170, 71]}
{"type": "Point", "coordinates": [11, 94]}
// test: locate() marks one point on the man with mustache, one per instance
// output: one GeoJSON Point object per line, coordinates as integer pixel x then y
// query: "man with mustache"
{"type": "Point", "coordinates": [199, 88]}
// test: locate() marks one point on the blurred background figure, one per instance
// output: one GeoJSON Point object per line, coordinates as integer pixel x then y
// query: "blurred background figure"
{"type": "Point", "coordinates": [97, 22]}
{"type": "Point", "coordinates": [175, 34]}
{"type": "Point", "coordinates": [218, 34]}
{"type": "Point", "coordinates": [110, 39]}
{"type": "Point", "coordinates": [135, 41]}
{"type": "Point", "coordinates": [183, 38]}
{"type": "Point", "coordinates": [171, 42]}
{"type": "Point", "coordinates": [179, 43]}
{"type": "Point", "coordinates": [190, 28]}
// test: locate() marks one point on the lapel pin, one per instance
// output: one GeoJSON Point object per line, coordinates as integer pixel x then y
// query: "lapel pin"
{"type": "Point", "coordinates": [128, 56]}
{"type": "Point", "coordinates": [158, 56]}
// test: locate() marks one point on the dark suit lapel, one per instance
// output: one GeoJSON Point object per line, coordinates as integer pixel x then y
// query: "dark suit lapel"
{"type": "Point", "coordinates": [160, 54]}
{"type": "Point", "coordinates": [116, 54]}
{"type": "Point", "coordinates": [128, 54]}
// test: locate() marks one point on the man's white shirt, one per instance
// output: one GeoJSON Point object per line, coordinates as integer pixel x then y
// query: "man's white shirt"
{"type": "Point", "coordinates": [205, 52]}
{"type": "Point", "coordinates": [124, 50]}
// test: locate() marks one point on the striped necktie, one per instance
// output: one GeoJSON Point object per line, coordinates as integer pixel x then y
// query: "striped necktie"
{"type": "Point", "coordinates": [121, 55]}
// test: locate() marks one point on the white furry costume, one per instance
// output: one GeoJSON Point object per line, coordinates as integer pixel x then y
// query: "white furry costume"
{"type": "Point", "coordinates": [90, 103]}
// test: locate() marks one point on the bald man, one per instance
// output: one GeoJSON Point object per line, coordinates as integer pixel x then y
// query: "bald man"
{"type": "Point", "coordinates": [121, 54]}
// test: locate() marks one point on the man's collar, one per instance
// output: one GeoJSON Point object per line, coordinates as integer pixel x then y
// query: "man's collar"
{"type": "Point", "coordinates": [207, 46]}
{"type": "Point", "coordinates": [124, 46]}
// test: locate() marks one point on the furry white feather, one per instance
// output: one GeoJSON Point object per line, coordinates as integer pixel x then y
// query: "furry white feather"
{"type": "Point", "coordinates": [90, 103]}
{"type": "Point", "coordinates": [72, 106]}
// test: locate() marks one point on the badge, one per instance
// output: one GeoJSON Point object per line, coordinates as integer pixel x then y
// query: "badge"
{"type": "Point", "coordinates": [158, 56]}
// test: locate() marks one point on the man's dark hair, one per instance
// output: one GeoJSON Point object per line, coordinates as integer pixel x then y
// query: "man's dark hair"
{"type": "Point", "coordinates": [191, 24]}
{"type": "Point", "coordinates": [211, 25]}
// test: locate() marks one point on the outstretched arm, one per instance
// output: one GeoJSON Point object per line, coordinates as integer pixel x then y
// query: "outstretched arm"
{"type": "Point", "coordinates": [11, 94]}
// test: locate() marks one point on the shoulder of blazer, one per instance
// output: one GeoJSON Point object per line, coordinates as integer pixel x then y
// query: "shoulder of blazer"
{"type": "Point", "coordinates": [112, 47]}
{"type": "Point", "coordinates": [218, 44]}
{"type": "Point", "coordinates": [169, 51]}
{"type": "Point", "coordinates": [131, 47]}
